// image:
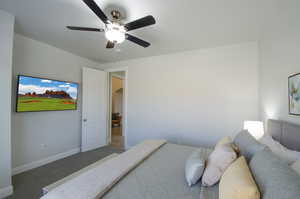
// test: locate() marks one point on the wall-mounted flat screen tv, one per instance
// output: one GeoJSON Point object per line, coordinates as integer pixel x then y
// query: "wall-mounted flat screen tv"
{"type": "Point", "coordinates": [37, 94]}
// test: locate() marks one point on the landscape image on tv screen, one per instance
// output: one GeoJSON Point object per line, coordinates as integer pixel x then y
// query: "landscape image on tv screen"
{"type": "Point", "coordinates": [36, 94]}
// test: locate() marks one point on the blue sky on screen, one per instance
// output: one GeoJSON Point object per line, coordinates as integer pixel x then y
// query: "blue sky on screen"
{"type": "Point", "coordinates": [39, 86]}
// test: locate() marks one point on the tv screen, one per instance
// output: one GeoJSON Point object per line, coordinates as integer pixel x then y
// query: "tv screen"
{"type": "Point", "coordinates": [36, 94]}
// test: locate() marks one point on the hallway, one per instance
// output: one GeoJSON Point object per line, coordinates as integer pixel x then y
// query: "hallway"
{"type": "Point", "coordinates": [117, 140]}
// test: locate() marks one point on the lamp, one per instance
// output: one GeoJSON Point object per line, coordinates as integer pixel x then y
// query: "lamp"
{"type": "Point", "coordinates": [115, 33]}
{"type": "Point", "coordinates": [255, 128]}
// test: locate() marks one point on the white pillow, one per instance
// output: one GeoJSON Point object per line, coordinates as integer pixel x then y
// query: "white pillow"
{"type": "Point", "coordinates": [223, 141]}
{"type": "Point", "coordinates": [296, 166]}
{"type": "Point", "coordinates": [279, 150]}
{"type": "Point", "coordinates": [217, 163]}
{"type": "Point", "coordinates": [227, 140]}
{"type": "Point", "coordinates": [194, 167]}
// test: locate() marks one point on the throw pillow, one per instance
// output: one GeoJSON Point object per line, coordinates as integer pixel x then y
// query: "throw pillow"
{"type": "Point", "coordinates": [217, 163]}
{"type": "Point", "coordinates": [237, 182]}
{"type": "Point", "coordinates": [194, 167]}
{"type": "Point", "coordinates": [247, 144]}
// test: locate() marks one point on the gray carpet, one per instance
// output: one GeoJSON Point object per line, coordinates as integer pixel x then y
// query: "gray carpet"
{"type": "Point", "coordinates": [28, 185]}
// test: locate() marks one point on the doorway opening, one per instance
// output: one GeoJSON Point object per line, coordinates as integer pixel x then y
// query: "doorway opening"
{"type": "Point", "coordinates": [117, 97]}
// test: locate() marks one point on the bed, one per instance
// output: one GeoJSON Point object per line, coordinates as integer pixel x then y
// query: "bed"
{"type": "Point", "coordinates": [161, 176]}
{"type": "Point", "coordinates": [158, 172]}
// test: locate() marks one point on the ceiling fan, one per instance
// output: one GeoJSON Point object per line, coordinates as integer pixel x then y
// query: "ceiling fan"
{"type": "Point", "coordinates": [115, 31]}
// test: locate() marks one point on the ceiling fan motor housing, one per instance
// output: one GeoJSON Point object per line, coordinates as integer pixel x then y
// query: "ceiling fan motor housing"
{"type": "Point", "coordinates": [116, 14]}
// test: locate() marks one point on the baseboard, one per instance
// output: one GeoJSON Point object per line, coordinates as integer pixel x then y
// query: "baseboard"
{"type": "Point", "coordinates": [6, 191]}
{"type": "Point", "coordinates": [44, 161]}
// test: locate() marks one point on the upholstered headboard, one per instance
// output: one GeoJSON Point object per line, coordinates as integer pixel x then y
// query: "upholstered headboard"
{"type": "Point", "coordinates": [286, 133]}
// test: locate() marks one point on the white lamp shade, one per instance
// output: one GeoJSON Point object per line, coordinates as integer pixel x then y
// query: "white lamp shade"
{"type": "Point", "coordinates": [115, 33]}
{"type": "Point", "coordinates": [255, 128]}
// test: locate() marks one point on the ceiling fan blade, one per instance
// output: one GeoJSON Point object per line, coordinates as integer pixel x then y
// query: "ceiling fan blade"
{"type": "Point", "coordinates": [140, 23]}
{"type": "Point", "coordinates": [85, 29]}
{"type": "Point", "coordinates": [95, 8]}
{"type": "Point", "coordinates": [137, 41]}
{"type": "Point", "coordinates": [110, 44]}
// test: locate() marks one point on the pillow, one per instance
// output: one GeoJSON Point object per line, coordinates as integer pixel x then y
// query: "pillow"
{"type": "Point", "coordinates": [223, 141]}
{"type": "Point", "coordinates": [275, 178]}
{"type": "Point", "coordinates": [237, 182]}
{"type": "Point", "coordinates": [279, 150]}
{"type": "Point", "coordinates": [247, 144]}
{"type": "Point", "coordinates": [228, 140]}
{"type": "Point", "coordinates": [217, 163]}
{"type": "Point", "coordinates": [194, 167]}
{"type": "Point", "coordinates": [296, 166]}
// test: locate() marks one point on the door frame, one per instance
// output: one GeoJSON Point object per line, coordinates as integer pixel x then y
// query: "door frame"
{"type": "Point", "coordinates": [125, 103]}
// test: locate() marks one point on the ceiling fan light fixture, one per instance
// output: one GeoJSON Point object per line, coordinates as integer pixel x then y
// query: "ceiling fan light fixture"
{"type": "Point", "coordinates": [115, 33]}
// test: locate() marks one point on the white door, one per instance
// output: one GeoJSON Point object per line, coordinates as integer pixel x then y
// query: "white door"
{"type": "Point", "coordinates": [94, 109]}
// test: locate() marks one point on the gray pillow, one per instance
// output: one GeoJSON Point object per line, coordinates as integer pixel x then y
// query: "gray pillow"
{"type": "Point", "coordinates": [194, 167]}
{"type": "Point", "coordinates": [247, 144]}
{"type": "Point", "coordinates": [274, 177]}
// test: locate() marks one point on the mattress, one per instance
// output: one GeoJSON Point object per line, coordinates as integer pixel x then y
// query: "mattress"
{"type": "Point", "coordinates": [160, 176]}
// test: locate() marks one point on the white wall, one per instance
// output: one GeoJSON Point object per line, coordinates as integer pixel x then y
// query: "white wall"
{"type": "Point", "coordinates": [39, 135]}
{"type": "Point", "coordinates": [6, 47]}
{"type": "Point", "coordinates": [279, 58]}
{"type": "Point", "coordinates": [193, 97]}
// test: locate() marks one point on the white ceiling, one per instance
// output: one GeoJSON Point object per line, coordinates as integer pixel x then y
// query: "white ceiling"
{"type": "Point", "coordinates": [181, 25]}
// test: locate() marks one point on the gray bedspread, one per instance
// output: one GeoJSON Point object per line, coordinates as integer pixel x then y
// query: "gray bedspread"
{"type": "Point", "coordinates": [209, 192]}
{"type": "Point", "coordinates": [161, 176]}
